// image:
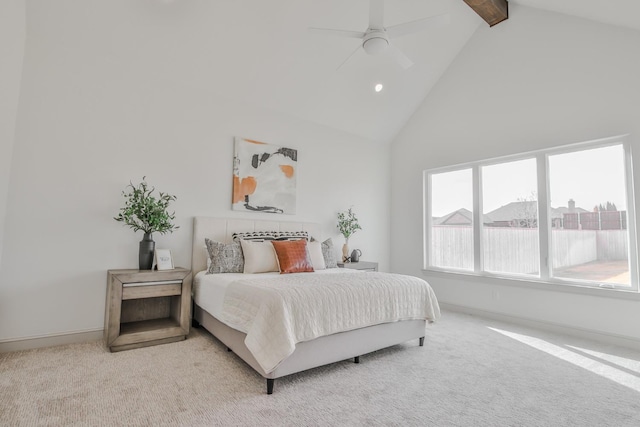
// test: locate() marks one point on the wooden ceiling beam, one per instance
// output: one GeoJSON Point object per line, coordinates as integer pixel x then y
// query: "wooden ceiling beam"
{"type": "Point", "coordinates": [492, 11]}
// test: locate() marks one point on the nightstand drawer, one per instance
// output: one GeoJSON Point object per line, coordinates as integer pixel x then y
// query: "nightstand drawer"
{"type": "Point", "coordinates": [150, 291]}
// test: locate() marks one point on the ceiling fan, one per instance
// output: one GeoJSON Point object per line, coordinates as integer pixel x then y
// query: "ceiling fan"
{"type": "Point", "coordinates": [376, 38]}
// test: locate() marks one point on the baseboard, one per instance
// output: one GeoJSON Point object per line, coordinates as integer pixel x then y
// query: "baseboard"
{"type": "Point", "coordinates": [50, 340]}
{"type": "Point", "coordinates": [619, 340]}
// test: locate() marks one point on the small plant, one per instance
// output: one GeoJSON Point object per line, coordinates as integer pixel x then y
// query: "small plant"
{"type": "Point", "coordinates": [348, 223]}
{"type": "Point", "coordinates": [143, 211]}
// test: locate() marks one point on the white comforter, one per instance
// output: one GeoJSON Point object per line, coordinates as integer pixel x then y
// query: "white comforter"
{"type": "Point", "coordinates": [276, 313]}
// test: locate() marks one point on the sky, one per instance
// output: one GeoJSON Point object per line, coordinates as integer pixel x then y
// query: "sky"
{"type": "Point", "coordinates": [589, 177]}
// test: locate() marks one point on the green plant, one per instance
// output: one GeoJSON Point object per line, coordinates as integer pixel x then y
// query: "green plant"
{"type": "Point", "coordinates": [143, 211]}
{"type": "Point", "coordinates": [348, 223]}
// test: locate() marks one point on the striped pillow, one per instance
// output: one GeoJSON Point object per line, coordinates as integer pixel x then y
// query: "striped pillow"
{"type": "Point", "coordinates": [261, 236]}
{"type": "Point", "coordinates": [256, 236]}
{"type": "Point", "coordinates": [290, 235]}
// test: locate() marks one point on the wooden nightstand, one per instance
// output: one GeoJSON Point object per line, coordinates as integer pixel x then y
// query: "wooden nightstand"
{"type": "Point", "coordinates": [146, 307]}
{"type": "Point", "coordinates": [360, 265]}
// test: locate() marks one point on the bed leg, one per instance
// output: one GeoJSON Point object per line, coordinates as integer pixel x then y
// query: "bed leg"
{"type": "Point", "coordinates": [194, 322]}
{"type": "Point", "coordinates": [421, 341]}
{"type": "Point", "coordinates": [270, 382]}
{"type": "Point", "coordinates": [356, 359]}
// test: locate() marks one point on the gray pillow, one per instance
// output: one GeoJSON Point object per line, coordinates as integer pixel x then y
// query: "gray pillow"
{"type": "Point", "coordinates": [329, 254]}
{"type": "Point", "coordinates": [225, 257]}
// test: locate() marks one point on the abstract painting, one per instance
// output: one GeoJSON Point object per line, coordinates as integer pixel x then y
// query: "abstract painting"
{"type": "Point", "coordinates": [264, 177]}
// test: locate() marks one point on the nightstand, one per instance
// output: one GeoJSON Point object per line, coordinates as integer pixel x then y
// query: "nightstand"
{"type": "Point", "coordinates": [146, 307]}
{"type": "Point", "coordinates": [360, 265]}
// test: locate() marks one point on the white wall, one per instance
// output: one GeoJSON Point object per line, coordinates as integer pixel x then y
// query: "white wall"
{"type": "Point", "coordinates": [91, 118]}
{"type": "Point", "coordinates": [537, 80]}
{"type": "Point", "coordinates": [12, 37]}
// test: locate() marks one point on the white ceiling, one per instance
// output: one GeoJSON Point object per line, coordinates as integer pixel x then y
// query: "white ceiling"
{"type": "Point", "coordinates": [624, 13]}
{"type": "Point", "coordinates": [263, 53]}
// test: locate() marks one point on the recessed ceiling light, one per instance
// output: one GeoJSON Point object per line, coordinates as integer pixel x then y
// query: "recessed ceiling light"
{"type": "Point", "coordinates": [378, 87]}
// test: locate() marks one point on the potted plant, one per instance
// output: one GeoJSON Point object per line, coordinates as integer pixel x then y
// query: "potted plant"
{"type": "Point", "coordinates": [143, 211]}
{"type": "Point", "coordinates": [347, 224]}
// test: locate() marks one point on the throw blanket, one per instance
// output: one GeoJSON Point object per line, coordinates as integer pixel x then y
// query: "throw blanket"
{"type": "Point", "coordinates": [276, 313]}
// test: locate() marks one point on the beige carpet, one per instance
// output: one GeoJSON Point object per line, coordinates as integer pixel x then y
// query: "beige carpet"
{"type": "Point", "coordinates": [466, 375]}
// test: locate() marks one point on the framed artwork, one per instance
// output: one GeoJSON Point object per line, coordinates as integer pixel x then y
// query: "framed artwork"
{"type": "Point", "coordinates": [163, 259]}
{"type": "Point", "coordinates": [264, 177]}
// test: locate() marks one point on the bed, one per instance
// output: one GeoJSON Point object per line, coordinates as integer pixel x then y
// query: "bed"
{"type": "Point", "coordinates": [214, 293]}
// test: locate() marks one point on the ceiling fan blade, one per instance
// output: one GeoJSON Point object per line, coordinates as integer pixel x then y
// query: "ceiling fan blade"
{"type": "Point", "coordinates": [399, 57]}
{"type": "Point", "coordinates": [376, 12]}
{"type": "Point", "coordinates": [339, 33]}
{"type": "Point", "coordinates": [349, 57]}
{"type": "Point", "coordinates": [418, 25]}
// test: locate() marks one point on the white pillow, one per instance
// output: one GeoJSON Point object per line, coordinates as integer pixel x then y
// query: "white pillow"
{"type": "Point", "coordinates": [259, 257]}
{"type": "Point", "coordinates": [315, 253]}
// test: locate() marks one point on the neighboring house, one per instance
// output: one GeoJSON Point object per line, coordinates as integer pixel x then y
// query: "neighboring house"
{"type": "Point", "coordinates": [525, 214]}
{"type": "Point", "coordinates": [515, 214]}
{"type": "Point", "coordinates": [460, 217]}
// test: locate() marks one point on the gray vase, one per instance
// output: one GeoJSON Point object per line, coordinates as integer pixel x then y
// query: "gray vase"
{"type": "Point", "coordinates": [145, 256]}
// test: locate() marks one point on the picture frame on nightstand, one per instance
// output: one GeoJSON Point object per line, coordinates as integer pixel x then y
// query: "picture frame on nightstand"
{"type": "Point", "coordinates": [163, 259]}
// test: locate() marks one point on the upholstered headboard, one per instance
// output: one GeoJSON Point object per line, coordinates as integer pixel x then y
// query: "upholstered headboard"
{"type": "Point", "coordinates": [221, 229]}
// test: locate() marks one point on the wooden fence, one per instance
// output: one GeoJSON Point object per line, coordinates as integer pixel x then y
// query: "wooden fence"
{"type": "Point", "coordinates": [516, 250]}
{"type": "Point", "coordinates": [511, 250]}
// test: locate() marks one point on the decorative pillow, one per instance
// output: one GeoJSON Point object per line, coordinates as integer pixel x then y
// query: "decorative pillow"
{"type": "Point", "coordinates": [315, 253]}
{"type": "Point", "coordinates": [290, 235]}
{"type": "Point", "coordinates": [256, 236]}
{"type": "Point", "coordinates": [293, 256]}
{"type": "Point", "coordinates": [206, 253]}
{"type": "Point", "coordinates": [261, 236]}
{"type": "Point", "coordinates": [225, 258]}
{"type": "Point", "coordinates": [259, 257]}
{"type": "Point", "coordinates": [329, 254]}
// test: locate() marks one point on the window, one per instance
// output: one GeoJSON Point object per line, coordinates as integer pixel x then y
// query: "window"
{"type": "Point", "coordinates": [590, 240]}
{"type": "Point", "coordinates": [563, 215]}
{"type": "Point", "coordinates": [510, 218]}
{"type": "Point", "coordinates": [451, 230]}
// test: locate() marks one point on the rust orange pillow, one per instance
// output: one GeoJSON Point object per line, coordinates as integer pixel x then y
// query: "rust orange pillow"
{"type": "Point", "coordinates": [293, 256]}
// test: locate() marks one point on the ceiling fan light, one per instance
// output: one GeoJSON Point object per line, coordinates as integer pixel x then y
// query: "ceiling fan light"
{"type": "Point", "coordinates": [375, 45]}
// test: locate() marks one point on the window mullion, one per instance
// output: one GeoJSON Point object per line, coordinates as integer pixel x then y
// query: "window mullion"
{"type": "Point", "coordinates": [631, 216]}
{"type": "Point", "coordinates": [426, 221]}
{"type": "Point", "coordinates": [477, 220]}
{"type": "Point", "coordinates": [544, 220]}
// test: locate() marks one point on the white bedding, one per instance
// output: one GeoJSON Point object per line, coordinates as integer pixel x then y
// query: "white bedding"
{"type": "Point", "coordinates": [209, 289]}
{"type": "Point", "coordinates": [277, 311]}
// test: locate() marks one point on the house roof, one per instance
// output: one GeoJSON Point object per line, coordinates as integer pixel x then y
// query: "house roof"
{"type": "Point", "coordinates": [520, 210]}
{"type": "Point", "coordinates": [461, 216]}
{"type": "Point", "coordinates": [564, 210]}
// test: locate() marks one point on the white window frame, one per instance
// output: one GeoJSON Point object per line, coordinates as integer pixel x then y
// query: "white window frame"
{"type": "Point", "coordinates": [544, 223]}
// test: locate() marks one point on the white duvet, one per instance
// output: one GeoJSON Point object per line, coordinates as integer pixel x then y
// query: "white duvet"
{"type": "Point", "coordinates": [276, 312]}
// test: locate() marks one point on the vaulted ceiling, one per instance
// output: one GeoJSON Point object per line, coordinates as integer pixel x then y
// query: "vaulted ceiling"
{"type": "Point", "coordinates": [263, 53]}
